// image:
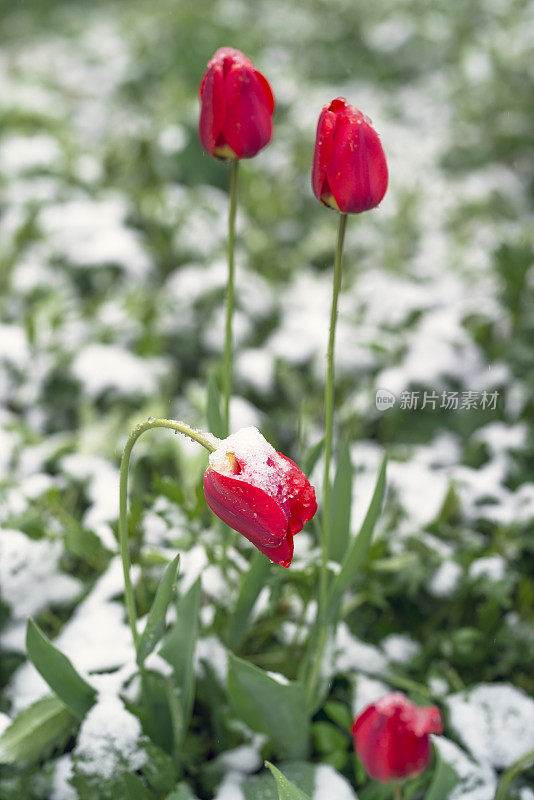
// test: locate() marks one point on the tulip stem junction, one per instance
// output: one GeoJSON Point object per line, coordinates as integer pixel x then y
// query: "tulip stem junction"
{"type": "Point", "coordinates": [227, 368]}
{"type": "Point", "coordinates": [397, 791]}
{"type": "Point", "coordinates": [329, 411]}
{"type": "Point", "coordinates": [178, 427]}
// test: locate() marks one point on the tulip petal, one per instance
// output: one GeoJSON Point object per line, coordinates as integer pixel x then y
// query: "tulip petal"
{"type": "Point", "coordinates": [247, 509]}
{"type": "Point", "coordinates": [248, 124]}
{"type": "Point", "coordinates": [266, 86]}
{"type": "Point", "coordinates": [357, 172]}
{"type": "Point", "coordinates": [323, 152]}
{"type": "Point", "coordinates": [212, 107]}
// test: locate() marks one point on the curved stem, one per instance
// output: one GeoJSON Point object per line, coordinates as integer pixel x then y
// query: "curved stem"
{"type": "Point", "coordinates": [178, 427]}
{"type": "Point", "coordinates": [227, 369]}
{"type": "Point", "coordinates": [329, 410]}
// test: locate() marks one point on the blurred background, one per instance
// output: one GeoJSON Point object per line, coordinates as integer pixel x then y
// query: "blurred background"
{"type": "Point", "coordinates": [112, 257]}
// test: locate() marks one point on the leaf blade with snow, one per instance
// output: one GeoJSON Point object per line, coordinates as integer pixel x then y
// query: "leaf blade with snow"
{"type": "Point", "coordinates": [36, 731]}
{"type": "Point", "coordinates": [57, 670]}
{"type": "Point", "coordinates": [269, 706]}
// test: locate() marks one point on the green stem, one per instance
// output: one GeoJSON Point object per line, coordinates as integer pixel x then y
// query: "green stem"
{"type": "Point", "coordinates": [227, 368]}
{"type": "Point", "coordinates": [322, 636]}
{"type": "Point", "coordinates": [513, 772]}
{"type": "Point", "coordinates": [178, 427]}
{"type": "Point", "coordinates": [397, 791]}
{"type": "Point", "coordinates": [329, 411]}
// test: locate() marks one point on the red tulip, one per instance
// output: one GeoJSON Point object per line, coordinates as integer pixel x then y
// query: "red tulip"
{"type": "Point", "coordinates": [237, 106]}
{"type": "Point", "coordinates": [259, 493]}
{"type": "Point", "coordinates": [349, 172]}
{"type": "Point", "coordinates": [391, 737]}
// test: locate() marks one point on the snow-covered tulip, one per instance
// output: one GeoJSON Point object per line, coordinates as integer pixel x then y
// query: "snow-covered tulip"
{"type": "Point", "coordinates": [391, 737]}
{"type": "Point", "coordinates": [259, 492]}
{"type": "Point", "coordinates": [237, 106]}
{"type": "Point", "coordinates": [349, 172]}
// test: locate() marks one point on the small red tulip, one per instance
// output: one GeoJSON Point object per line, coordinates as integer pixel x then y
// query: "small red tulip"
{"type": "Point", "coordinates": [391, 737]}
{"type": "Point", "coordinates": [259, 493]}
{"type": "Point", "coordinates": [349, 172]}
{"type": "Point", "coordinates": [237, 106]}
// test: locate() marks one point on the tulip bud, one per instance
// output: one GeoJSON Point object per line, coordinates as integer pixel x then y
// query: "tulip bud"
{"type": "Point", "coordinates": [349, 172]}
{"type": "Point", "coordinates": [259, 493]}
{"type": "Point", "coordinates": [391, 737]}
{"type": "Point", "coordinates": [237, 105]}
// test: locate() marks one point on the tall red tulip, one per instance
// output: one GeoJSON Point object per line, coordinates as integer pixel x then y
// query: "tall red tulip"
{"type": "Point", "coordinates": [260, 493]}
{"type": "Point", "coordinates": [391, 737]}
{"type": "Point", "coordinates": [349, 172]}
{"type": "Point", "coordinates": [237, 106]}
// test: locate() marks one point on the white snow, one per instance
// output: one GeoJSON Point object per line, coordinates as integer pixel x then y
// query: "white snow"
{"type": "Point", "coordinates": [245, 759]}
{"type": "Point", "coordinates": [329, 784]}
{"type": "Point", "coordinates": [22, 153]}
{"type": "Point", "coordinates": [491, 567]}
{"type": "Point", "coordinates": [255, 367]}
{"type": "Point", "coordinates": [230, 788]}
{"type": "Point", "coordinates": [278, 677]}
{"type": "Point", "coordinates": [102, 487]}
{"type": "Point", "coordinates": [367, 691]}
{"type": "Point", "coordinates": [5, 721]}
{"type": "Point", "coordinates": [258, 460]}
{"type": "Point", "coordinates": [30, 576]}
{"type": "Point", "coordinates": [495, 722]}
{"type": "Point", "coordinates": [477, 781]}
{"type": "Point", "coordinates": [96, 638]}
{"type": "Point", "coordinates": [109, 739]}
{"type": "Point", "coordinates": [211, 650]}
{"type": "Point", "coordinates": [61, 788]}
{"type": "Point", "coordinates": [445, 579]}
{"type": "Point", "coordinates": [353, 655]}
{"type": "Point", "coordinates": [91, 232]}
{"type": "Point", "coordinates": [106, 367]}
{"type": "Point", "coordinates": [400, 648]}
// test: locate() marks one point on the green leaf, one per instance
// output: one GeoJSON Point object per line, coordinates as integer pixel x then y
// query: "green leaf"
{"type": "Point", "coordinates": [312, 457]}
{"type": "Point", "coordinates": [339, 713]}
{"type": "Point", "coordinates": [444, 779]}
{"type": "Point", "coordinates": [214, 413]}
{"type": "Point", "coordinates": [513, 772]}
{"type": "Point", "coordinates": [178, 648]}
{"type": "Point", "coordinates": [182, 792]}
{"type": "Point", "coordinates": [286, 789]}
{"type": "Point", "coordinates": [359, 546]}
{"type": "Point", "coordinates": [135, 787]}
{"type": "Point", "coordinates": [270, 707]}
{"type": "Point", "coordinates": [328, 738]}
{"type": "Point", "coordinates": [251, 585]}
{"type": "Point", "coordinates": [341, 504]}
{"type": "Point", "coordinates": [36, 731]}
{"type": "Point", "coordinates": [155, 624]}
{"type": "Point", "coordinates": [58, 672]}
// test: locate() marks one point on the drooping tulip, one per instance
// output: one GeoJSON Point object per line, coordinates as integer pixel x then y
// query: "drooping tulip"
{"type": "Point", "coordinates": [259, 492]}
